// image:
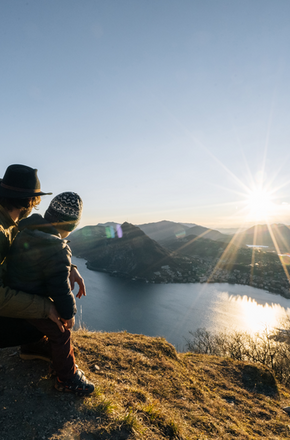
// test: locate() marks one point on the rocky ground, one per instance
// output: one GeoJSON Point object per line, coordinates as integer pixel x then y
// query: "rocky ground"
{"type": "Point", "coordinates": [30, 408]}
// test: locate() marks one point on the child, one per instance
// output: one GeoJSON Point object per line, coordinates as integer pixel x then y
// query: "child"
{"type": "Point", "coordinates": [39, 261]}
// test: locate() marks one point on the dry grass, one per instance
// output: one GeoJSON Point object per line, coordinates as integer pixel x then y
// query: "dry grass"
{"type": "Point", "coordinates": [145, 390]}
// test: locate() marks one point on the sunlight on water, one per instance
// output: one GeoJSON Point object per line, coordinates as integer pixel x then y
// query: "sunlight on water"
{"type": "Point", "coordinates": [174, 310]}
{"type": "Point", "coordinates": [248, 315]}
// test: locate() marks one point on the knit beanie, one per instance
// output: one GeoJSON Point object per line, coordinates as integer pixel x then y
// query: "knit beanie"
{"type": "Point", "coordinates": [65, 208]}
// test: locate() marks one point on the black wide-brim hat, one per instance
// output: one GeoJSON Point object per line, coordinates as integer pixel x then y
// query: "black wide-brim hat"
{"type": "Point", "coordinates": [20, 181]}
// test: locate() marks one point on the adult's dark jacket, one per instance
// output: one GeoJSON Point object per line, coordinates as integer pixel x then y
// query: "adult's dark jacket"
{"type": "Point", "coordinates": [39, 262]}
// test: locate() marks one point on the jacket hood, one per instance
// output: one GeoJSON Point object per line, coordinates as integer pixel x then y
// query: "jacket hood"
{"type": "Point", "coordinates": [36, 221]}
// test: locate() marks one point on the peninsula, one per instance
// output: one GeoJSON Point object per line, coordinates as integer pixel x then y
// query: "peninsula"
{"type": "Point", "coordinates": [168, 252]}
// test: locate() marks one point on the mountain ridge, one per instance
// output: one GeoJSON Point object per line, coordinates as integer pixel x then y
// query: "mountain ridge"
{"type": "Point", "coordinates": [132, 255]}
{"type": "Point", "coordinates": [126, 251]}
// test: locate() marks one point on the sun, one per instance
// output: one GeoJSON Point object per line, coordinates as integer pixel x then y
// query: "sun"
{"type": "Point", "coordinates": [259, 205]}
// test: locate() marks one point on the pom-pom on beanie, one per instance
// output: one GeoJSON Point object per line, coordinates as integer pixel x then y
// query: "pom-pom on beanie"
{"type": "Point", "coordinates": [65, 208]}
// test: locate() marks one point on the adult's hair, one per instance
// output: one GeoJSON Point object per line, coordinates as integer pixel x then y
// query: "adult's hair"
{"type": "Point", "coordinates": [18, 203]}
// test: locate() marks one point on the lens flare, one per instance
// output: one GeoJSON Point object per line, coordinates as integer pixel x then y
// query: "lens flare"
{"type": "Point", "coordinates": [260, 205]}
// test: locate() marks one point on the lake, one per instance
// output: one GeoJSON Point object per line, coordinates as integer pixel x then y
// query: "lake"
{"type": "Point", "coordinates": [172, 310]}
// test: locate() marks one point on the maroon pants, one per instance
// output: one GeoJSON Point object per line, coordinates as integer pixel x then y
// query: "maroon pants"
{"type": "Point", "coordinates": [63, 358]}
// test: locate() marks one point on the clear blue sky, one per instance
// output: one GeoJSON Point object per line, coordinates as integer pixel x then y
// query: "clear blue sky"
{"type": "Point", "coordinates": [150, 110]}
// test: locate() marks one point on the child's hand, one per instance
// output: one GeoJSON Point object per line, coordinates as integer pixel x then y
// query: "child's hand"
{"type": "Point", "coordinates": [68, 323]}
{"type": "Point", "coordinates": [75, 277]}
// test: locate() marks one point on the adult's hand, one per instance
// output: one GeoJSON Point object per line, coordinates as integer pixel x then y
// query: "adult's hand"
{"type": "Point", "coordinates": [68, 323]}
{"type": "Point", "coordinates": [54, 316]}
{"type": "Point", "coordinates": [75, 277]}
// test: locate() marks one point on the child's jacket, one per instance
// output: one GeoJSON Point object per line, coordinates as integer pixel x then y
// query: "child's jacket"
{"type": "Point", "coordinates": [39, 262]}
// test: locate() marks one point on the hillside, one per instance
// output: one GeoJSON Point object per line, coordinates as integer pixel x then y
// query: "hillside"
{"type": "Point", "coordinates": [211, 234]}
{"type": "Point", "coordinates": [145, 390]}
{"type": "Point", "coordinates": [188, 259]}
{"type": "Point", "coordinates": [133, 254]}
{"type": "Point", "coordinates": [165, 231]}
{"type": "Point", "coordinates": [194, 246]}
{"type": "Point", "coordinates": [261, 235]}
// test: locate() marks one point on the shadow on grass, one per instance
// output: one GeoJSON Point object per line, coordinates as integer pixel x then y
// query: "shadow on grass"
{"type": "Point", "coordinates": [98, 435]}
{"type": "Point", "coordinates": [259, 381]}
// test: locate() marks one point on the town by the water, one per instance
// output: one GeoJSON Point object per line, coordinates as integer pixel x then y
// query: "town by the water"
{"type": "Point", "coordinates": [168, 252]}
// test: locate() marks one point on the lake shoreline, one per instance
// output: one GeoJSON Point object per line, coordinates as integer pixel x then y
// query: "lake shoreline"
{"type": "Point", "coordinates": [171, 310]}
{"type": "Point", "coordinates": [202, 280]}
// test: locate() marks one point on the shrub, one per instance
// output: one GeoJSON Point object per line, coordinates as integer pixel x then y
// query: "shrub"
{"type": "Point", "coordinates": [269, 348]}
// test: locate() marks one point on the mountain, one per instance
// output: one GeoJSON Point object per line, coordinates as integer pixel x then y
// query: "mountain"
{"type": "Point", "coordinates": [130, 254]}
{"type": "Point", "coordinates": [165, 231]}
{"type": "Point", "coordinates": [230, 231]}
{"type": "Point", "coordinates": [212, 234]}
{"type": "Point", "coordinates": [114, 224]}
{"type": "Point", "coordinates": [194, 246]}
{"type": "Point", "coordinates": [276, 237]}
{"type": "Point", "coordinates": [189, 225]}
{"type": "Point", "coordinates": [83, 241]}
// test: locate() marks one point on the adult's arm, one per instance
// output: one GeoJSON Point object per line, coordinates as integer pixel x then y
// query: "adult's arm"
{"type": "Point", "coordinates": [17, 304]}
{"type": "Point", "coordinates": [14, 303]}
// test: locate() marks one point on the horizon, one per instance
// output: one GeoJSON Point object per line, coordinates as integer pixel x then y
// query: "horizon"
{"type": "Point", "coordinates": [188, 120]}
{"type": "Point", "coordinates": [237, 228]}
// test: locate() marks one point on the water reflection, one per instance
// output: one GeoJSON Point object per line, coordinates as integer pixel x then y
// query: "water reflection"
{"type": "Point", "coordinates": [174, 310]}
{"type": "Point", "coordinates": [241, 312]}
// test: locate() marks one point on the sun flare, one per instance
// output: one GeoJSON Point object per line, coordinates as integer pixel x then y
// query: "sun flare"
{"type": "Point", "coordinates": [259, 204]}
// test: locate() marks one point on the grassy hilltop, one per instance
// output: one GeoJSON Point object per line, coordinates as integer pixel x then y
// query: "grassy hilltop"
{"type": "Point", "coordinates": [144, 390]}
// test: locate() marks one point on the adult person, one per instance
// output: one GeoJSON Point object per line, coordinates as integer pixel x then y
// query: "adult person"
{"type": "Point", "coordinates": [19, 193]}
{"type": "Point", "coordinates": [39, 260]}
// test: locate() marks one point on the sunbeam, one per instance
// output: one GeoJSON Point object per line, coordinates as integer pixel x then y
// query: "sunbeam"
{"type": "Point", "coordinates": [257, 204]}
